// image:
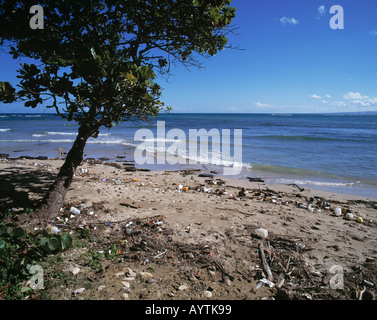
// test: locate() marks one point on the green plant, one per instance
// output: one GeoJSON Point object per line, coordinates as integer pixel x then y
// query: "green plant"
{"type": "Point", "coordinates": [19, 251]}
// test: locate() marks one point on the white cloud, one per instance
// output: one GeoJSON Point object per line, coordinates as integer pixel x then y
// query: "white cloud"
{"type": "Point", "coordinates": [328, 96]}
{"type": "Point", "coordinates": [285, 20]}
{"type": "Point", "coordinates": [321, 10]}
{"type": "Point", "coordinates": [315, 96]}
{"type": "Point", "coordinates": [259, 104]}
{"type": "Point", "coordinates": [373, 32]}
{"type": "Point", "coordinates": [355, 98]}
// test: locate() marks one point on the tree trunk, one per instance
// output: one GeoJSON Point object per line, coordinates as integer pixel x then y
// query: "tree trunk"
{"type": "Point", "coordinates": [53, 200]}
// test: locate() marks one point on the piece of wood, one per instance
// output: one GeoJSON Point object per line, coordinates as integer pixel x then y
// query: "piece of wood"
{"type": "Point", "coordinates": [264, 262]}
{"type": "Point", "coordinates": [129, 205]}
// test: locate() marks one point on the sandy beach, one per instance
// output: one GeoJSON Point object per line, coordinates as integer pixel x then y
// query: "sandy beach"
{"type": "Point", "coordinates": [182, 236]}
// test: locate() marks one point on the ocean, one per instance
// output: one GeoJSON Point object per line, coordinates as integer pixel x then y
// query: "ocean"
{"type": "Point", "coordinates": [331, 152]}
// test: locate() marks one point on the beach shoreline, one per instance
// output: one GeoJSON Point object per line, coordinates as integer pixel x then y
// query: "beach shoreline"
{"type": "Point", "coordinates": [214, 211]}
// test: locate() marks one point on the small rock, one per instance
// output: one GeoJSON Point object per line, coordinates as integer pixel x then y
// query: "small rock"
{"type": "Point", "coordinates": [125, 296]}
{"type": "Point", "coordinates": [262, 233]}
{"type": "Point", "coordinates": [227, 281]}
{"type": "Point", "coordinates": [183, 287]}
{"type": "Point", "coordinates": [151, 280]}
{"type": "Point", "coordinates": [146, 275]}
{"type": "Point", "coordinates": [119, 274]}
{"type": "Point", "coordinates": [130, 273]}
{"type": "Point", "coordinates": [189, 255]}
{"type": "Point", "coordinates": [78, 291]}
{"type": "Point", "coordinates": [207, 294]}
{"type": "Point", "coordinates": [75, 271]}
{"type": "Point", "coordinates": [101, 287]}
{"type": "Point", "coordinates": [126, 284]}
{"type": "Point", "coordinates": [129, 279]}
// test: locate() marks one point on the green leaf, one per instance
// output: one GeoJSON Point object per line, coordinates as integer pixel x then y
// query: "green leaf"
{"type": "Point", "coordinates": [53, 244]}
{"type": "Point", "coordinates": [43, 242]}
{"type": "Point", "coordinates": [66, 241]}
{"type": "Point", "coordinates": [130, 77]}
{"type": "Point", "coordinates": [2, 244]}
{"type": "Point", "coordinates": [25, 289]}
{"type": "Point", "coordinates": [3, 229]}
{"type": "Point", "coordinates": [17, 232]}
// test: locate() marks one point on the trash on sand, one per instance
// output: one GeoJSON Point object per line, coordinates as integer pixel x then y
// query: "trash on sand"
{"type": "Point", "coordinates": [205, 175]}
{"type": "Point", "coordinates": [302, 206]}
{"type": "Point", "coordinates": [255, 179]}
{"type": "Point", "coordinates": [268, 282]}
{"type": "Point", "coordinates": [262, 233]}
{"type": "Point", "coordinates": [338, 211]}
{"type": "Point", "coordinates": [349, 216]}
{"type": "Point", "coordinates": [53, 230]}
{"type": "Point", "coordinates": [74, 210]}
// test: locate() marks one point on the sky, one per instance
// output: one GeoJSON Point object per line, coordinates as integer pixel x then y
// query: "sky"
{"type": "Point", "coordinates": [287, 59]}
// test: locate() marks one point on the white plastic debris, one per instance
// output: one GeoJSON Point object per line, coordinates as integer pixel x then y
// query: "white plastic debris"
{"type": "Point", "coordinates": [53, 229]}
{"type": "Point", "coordinates": [262, 233]}
{"type": "Point", "coordinates": [268, 282]}
{"type": "Point", "coordinates": [338, 211]}
{"type": "Point", "coordinates": [74, 210]}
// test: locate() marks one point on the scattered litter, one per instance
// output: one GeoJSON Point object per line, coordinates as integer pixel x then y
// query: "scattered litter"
{"type": "Point", "coordinates": [268, 282]}
{"type": "Point", "coordinates": [74, 210]}
{"type": "Point", "coordinates": [349, 216]}
{"type": "Point", "coordinates": [338, 211]}
{"type": "Point", "coordinates": [53, 230]}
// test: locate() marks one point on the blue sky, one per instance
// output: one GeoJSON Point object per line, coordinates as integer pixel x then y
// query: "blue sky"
{"type": "Point", "coordinates": [291, 61]}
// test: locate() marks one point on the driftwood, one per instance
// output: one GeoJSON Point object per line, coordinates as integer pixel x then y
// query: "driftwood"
{"type": "Point", "coordinates": [295, 185]}
{"type": "Point", "coordinates": [264, 262]}
{"type": "Point", "coordinates": [129, 205]}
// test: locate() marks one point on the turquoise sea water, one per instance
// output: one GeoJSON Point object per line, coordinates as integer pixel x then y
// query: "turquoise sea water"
{"type": "Point", "coordinates": [334, 152]}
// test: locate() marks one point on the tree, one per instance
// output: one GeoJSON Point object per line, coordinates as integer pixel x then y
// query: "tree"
{"type": "Point", "coordinates": [97, 60]}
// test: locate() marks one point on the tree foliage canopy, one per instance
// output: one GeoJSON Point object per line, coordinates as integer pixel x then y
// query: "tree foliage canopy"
{"type": "Point", "coordinates": [97, 60]}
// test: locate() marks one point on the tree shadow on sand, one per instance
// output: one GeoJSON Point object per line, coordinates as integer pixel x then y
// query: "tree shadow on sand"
{"type": "Point", "coordinates": [22, 188]}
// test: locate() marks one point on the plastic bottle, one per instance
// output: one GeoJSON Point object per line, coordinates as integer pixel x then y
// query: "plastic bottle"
{"type": "Point", "coordinates": [74, 210]}
{"type": "Point", "coordinates": [53, 229]}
